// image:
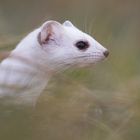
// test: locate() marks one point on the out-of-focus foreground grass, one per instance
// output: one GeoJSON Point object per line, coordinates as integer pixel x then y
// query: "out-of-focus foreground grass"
{"type": "Point", "coordinates": [97, 103]}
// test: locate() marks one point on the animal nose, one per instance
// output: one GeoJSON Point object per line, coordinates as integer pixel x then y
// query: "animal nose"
{"type": "Point", "coordinates": [106, 53]}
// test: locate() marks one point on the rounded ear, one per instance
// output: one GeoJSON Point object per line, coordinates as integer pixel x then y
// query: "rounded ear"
{"type": "Point", "coordinates": [68, 23]}
{"type": "Point", "coordinates": [50, 30]}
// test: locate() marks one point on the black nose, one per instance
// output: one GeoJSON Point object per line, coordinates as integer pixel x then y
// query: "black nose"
{"type": "Point", "coordinates": [106, 53]}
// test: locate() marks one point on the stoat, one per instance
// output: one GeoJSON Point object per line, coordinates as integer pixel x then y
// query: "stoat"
{"type": "Point", "coordinates": [50, 48]}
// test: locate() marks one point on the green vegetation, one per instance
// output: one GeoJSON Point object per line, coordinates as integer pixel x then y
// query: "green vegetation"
{"type": "Point", "coordinates": [97, 103]}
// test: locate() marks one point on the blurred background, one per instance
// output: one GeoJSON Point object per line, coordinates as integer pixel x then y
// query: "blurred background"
{"type": "Point", "coordinates": [96, 103]}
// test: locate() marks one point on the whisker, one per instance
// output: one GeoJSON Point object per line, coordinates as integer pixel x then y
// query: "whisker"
{"type": "Point", "coordinates": [85, 25]}
{"type": "Point", "coordinates": [90, 27]}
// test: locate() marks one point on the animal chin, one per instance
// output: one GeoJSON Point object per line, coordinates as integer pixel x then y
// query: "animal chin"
{"type": "Point", "coordinates": [94, 58]}
{"type": "Point", "coordinates": [87, 64]}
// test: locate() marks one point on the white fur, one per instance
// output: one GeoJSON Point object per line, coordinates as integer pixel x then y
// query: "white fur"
{"type": "Point", "coordinates": [25, 73]}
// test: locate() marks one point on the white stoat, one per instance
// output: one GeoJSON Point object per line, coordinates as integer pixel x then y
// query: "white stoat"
{"type": "Point", "coordinates": [48, 49]}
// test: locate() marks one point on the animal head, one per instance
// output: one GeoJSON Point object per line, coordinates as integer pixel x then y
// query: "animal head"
{"type": "Point", "coordinates": [66, 46]}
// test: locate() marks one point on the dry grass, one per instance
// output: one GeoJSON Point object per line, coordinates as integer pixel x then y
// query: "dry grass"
{"type": "Point", "coordinates": [100, 103]}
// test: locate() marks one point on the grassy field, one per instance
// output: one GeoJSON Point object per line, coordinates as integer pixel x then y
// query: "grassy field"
{"type": "Point", "coordinates": [97, 103]}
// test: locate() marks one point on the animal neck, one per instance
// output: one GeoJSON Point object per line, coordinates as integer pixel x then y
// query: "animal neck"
{"type": "Point", "coordinates": [24, 76]}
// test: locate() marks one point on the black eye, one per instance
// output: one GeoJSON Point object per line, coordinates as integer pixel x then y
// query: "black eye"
{"type": "Point", "coordinates": [82, 45]}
